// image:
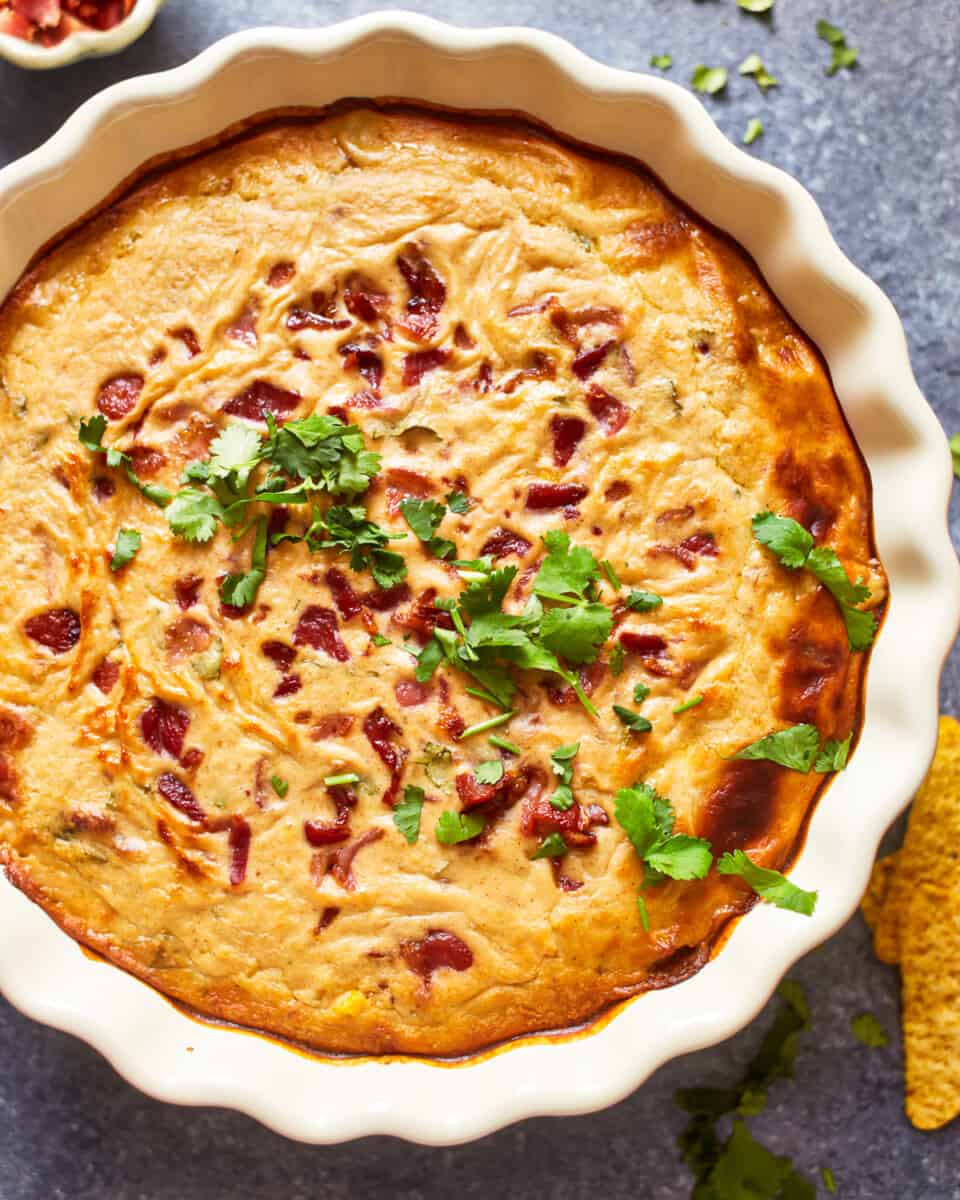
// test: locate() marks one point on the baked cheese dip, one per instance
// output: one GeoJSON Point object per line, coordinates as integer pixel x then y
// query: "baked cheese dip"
{"type": "Point", "coordinates": [437, 582]}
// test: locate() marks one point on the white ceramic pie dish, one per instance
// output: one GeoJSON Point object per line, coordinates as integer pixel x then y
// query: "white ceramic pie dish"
{"type": "Point", "coordinates": [82, 44]}
{"type": "Point", "coordinates": [173, 1057]}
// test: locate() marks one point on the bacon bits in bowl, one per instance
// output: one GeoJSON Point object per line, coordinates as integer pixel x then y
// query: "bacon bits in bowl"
{"type": "Point", "coordinates": [51, 33]}
{"type": "Point", "coordinates": [475, 649]}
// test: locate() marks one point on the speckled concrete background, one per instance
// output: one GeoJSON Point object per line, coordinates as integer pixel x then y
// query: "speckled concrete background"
{"type": "Point", "coordinates": [880, 149]}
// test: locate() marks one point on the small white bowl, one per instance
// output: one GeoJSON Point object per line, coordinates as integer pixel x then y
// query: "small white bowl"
{"type": "Point", "coordinates": [173, 1057]}
{"type": "Point", "coordinates": [83, 44]}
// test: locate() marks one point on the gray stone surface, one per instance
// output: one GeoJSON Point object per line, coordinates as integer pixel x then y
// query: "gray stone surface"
{"type": "Point", "coordinates": [880, 149]}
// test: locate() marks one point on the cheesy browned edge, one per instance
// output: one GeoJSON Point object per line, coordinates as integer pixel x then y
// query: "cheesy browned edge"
{"type": "Point", "coordinates": [592, 347]}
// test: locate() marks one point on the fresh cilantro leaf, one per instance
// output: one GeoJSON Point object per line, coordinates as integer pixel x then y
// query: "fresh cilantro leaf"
{"type": "Point", "coordinates": [423, 516]}
{"type": "Point", "coordinates": [868, 1030]}
{"type": "Point", "coordinates": [709, 80]}
{"type": "Point", "coordinates": [457, 502]}
{"type": "Point", "coordinates": [616, 660]}
{"type": "Point", "coordinates": [379, 640]}
{"type": "Point", "coordinates": [769, 885]}
{"type": "Point", "coordinates": [644, 915]}
{"type": "Point", "coordinates": [236, 450]}
{"type": "Point", "coordinates": [429, 658]}
{"type": "Point", "coordinates": [452, 827]}
{"type": "Point", "coordinates": [193, 515]}
{"type": "Point", "coordinates": [565, 571]}
{"type": "Point", "coordinates": [688, 704]}
{"type": "Point", "coordinates": [833, 755]}
{"type": "Point", "coordinates": [755, 6]}
{"type": "Point", "coordinates": [753, 65]}
{"type": "Point", "coordinates": [640, 692]}
{"type": "Point", "coordinates": [344, 779]}
{"type": "Point", "coordinates": [561, 763]}
{"type": "Point", "coordinates": [577, 632]}
{"type": "Point", "coordinates": [643, 601]}
{"type": "Point", "coordinates": [747, 1169]}
{"type": "Point", "coordinates": [843, 55]}
{"type": "Point", "coordinates": [861, 627]}
{"type": "Point", "coordinates": [680, 857]}
{"type": "Point", "coordinates": [487, 594]}
{"type": "Point", "coordinates": [562, 797]}
{"type": "Point", "coordinates": [489, 772]}
{"type": "Point", "coordinates": [280, 786]}
{"type": "Point", "coordinates": [824, 564]}
{"type": "Point", "coordinates": [91, 432]}
{"type": "Point", "coordinates": [955, 453]}
{"type": "Point", "coordinates": [125, 548]}
{"type": "Point", "coordinates": [406, 814]}
{"type": "Point", "coordinates": [753, 130]}
{"type": "Point", "coordinates": [387, 568]}
{"type": "Point", "coordinates": [611, 574]}
{"type": "Point", "coordinates": [632, 720]}
{"type": "Point", "coordinates": [153, 491]}
{"type": "Point", "coordinates": [240, 590]}
{"type": "Point", "coordinates": [788, 539]}
{"type": "Point", "coordinates": [552, 846]}
{"type": "Point", "coordinates": [830, 33]}
{"type": "Point", "coordinates": [348, 529]}
{"type": "Point", "coordinates": [648, 819]}
{"type": "Point", "coordinates": [662, 62]}
{"type": "Point", "coordinates": [795, 747]}
{"type": "Point", "coordinates": [829, 1182]}
{"type": "Point", "coordinates": [563, 755]}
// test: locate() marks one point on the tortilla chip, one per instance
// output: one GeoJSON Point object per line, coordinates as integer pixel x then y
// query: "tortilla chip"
{"type": "Point", "coordinates": [928, 880]}
{"type": "Point", "coordinates": [874, 897]}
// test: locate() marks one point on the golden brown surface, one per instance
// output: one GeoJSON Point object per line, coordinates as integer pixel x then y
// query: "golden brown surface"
{"type": "Point", "coordinates": [708, 407]}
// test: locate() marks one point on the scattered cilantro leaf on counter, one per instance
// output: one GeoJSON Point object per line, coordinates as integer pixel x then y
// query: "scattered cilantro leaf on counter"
{"type": "Point", "coordinates": [662, 62]}
{"type": "Point", "coordinates": [688, 704]}
{"type": "Point", "coordinates": [648, 818]}
{"type": "Point", "coordinates": [452, 828]}
{"type": "Point", "coordinates": [552, 846]}
{"type": "Point", "coordinates": [643, 601]}
{"type": "Point", "coordinates": [868, 1031]}
{"type": "Point", "coordinates": [240, 590]}
{"type": "Point", "coordinates": [753, 130]}
{"type": "Point", "coordinates": [955, 453]}
{"type": "Point", "coordinates": [632, 720]}
{"type": "Point", "coordinates": [833, 755]}
{"type": "Point", "coordinates": [843, 55]}
{"type": "Point", "coordinates": [795, 747]}
{"type": "Point", "coordinates": [793, 545]}
{"type": "Point", "coordinates": [280, 786]}
{"type": "Point", "coordinates": [457, 502]}
{"type": "Point", "coordinates": [755, 6]}
{"type": "Point", "coordinates": [708, 80]}
{"type": "Point", "coordinates": [489, 772]}
{"type": "Point", "coordinates": [753, 65]}
{"type": "Point", "coordinates": [125, 548]}
{"type": "Point", "coordinates": [768, 884]}
{"type": "Point", "coordinates": [406, 814]}
{"type": "Point", "coordinates": [829, 1182]}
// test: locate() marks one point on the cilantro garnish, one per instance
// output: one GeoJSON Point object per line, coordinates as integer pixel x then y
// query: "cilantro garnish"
{"type": "Point", "coordinates": [241, 589]}
{"type": "Point", "coordinates": [342, 780]}
{"type": "Point", "coordinates": [617, 658]}
{"type": "Point", "coordinates": [406, 814]}
{"type": "Point", "coordinates": [483, 726]}
{"type": "Point", "coordinates": [688, 704]}
{"type": "Point", "coordinates": [345, 527]}
{"type": "Point", "coordinates": [793, 545]}
{"type": "Point", "coordinates": [552, 846]}
{"type": "Point", "coordinates": [648, 820]}
{"type": "Point", "coordinates": [753, 65]}
{"type": "Point", "coordinates": [843, 55]}
{"type": "Point", "coordinates": [91, 434]}
{"type": "Point", "coordinates": [868, 1031]}
{"type": "Point", "coordinates": [576, 632]}
{"type": "Point", "coordinates": [643, 601]}
{"type": "Point", "coordinates": [632, 720]}
{"type": "Point", "coordinates": [753, 130]}
{"type": "Point", "coordinates": [833, 755]}
{"type": "Point", "coordinates": [423, 517]}
{"type": "Point", "coordinates": [709, 80]}
{"type": "Point", "coordinates": [561, 763]}
{"type": "Point", "coordinates": [457, 502]}
{"type": "Point", "coordinates": [640, 692]}
{"type": "Point", "coordinates": [662, 62]}
{"type": "Point", "coordinates": [755, 6]}
{"type": "Point", "coordinates": [280, 786]}
{"type": "Point", "coordinates": [489, 772]}
{"type": "Point", "coordinates": [125, 548]}
{"type": "Point", "coordinates": [452, 827]}
{"type": "Point", "coordinates": [829, 1182]}
{"type": "Point", "coordinates": [795, 747]}
{"type": "Point", "coordinates": [501, 743]}
{"type": "Point", "coordinates": [379, 640]}
{"type": "Point", "coordinates": [768, 884]}
{"type": "Point", "coordinates": [566, 570]}
{"type": "Point", "coordinates": [611, 574]}
{"type": "Point", "coordinates": [193, 515]}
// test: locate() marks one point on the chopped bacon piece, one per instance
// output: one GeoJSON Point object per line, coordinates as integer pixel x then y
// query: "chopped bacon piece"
{"type": "Point", "coordinates": [192, 759]}
{"type": "Point", "coordinates": [566, 884]}
{"type": "Point", "coordinates": [421, 363]}
{"type": "Point", "coordinates": [9, 782]}
{"type": "Point", "coordinates": [461, 338]}
{"type": "Point", "coordinates": [366, 399]}
{"type": "Point", "coordinates": [239, 843]}
{"type": "Point", "coordinates": [318, 628]}
{"type": "Point", "coordinates": [99, 14]}
{"type": "Point", "coordinates": [363, 301]}
{"type": "Point", "coordinates": [472, 793]}
{"type": "Point", "coordinates": [438, 949]}
{"type": "Point", "coordinates": [179, 796]}
{"type": "Point", "coordinates": [15, 731]}
{"type": "Point", "coordinates": [360, 357]}
{"type": "Point", "coordinates": [261, 397]}
{"type": "Point", "coordinates": [676, 514]}
{"type": "Point", "coordinates": [279, 653]}
{"type": "Point", "coordinates": [344, 597]}
{"type": "Point", "coordinates": [340, 862]}
{"type": "Point", "coordinates": [410, 693]}
{"type": "Point", "coordinates": [567, 433]}
{"type": "Point", "coordinates": [326, 833]}
{"type": "Point", "coordinates": [541, 366]}
{"type": "Point", "coordinates": [164, 727]}
{"type": "Point", "coordinates": [379, 730]}
{"type": "Point", "coordinates": [648, 645]}
{"type": "Point", "coordinates": [401, 483]}
{"type": "Point", "coordinates": [44, 13]}
{"type": "Point", "coordinates": [427, 293]}
{"type": "Point", "coordinates": [58, 629]}
{"type": "Point", "coordinates": [451, 721]}
{"type": "Point", "coordinates": [611, 414]}
{"type": "Point", "coordinates": [688, 550]}
{"type": "Point", "coordinates": [484, 380]}
{"type": "Point", "coordinates": [105, 675]}
{"type": "Point", "coordinates": [590, 679]}
{"type": "Point", "coordinates": [320, 315]}
{"type": "Point", "coordinates": [119, 395]}
{"type": "Point", "coordinates": [331, 726]}
{"type": "Point", "coordinates": [538, 817]}
{"type": "Point", "coordinates": [280, 274]}
{"type": "Point", "coordinates": [569, 324]}
{"type": "Point", "coordinates": [327, 917]}
{"type": "Point", "coordinates": [502, 542]}
{"type": "Point", "coordinates": [422, 617]}
{"type": "Point", "coordinates": [186, 335]}
{"type": "Point", "coordinates": [103, 488]}
{"type": "Point", "coordinates": [289, 685]}
{"type": "Point", "coordinates": [386, 599]}
{"type": "Point", "coordinates": [617, 490]}
{"type": "Point", "coordinates": [146, 461]}
{"type": "Point", "coordinates": [244, 328]}
{"type": "Point", "coordinates": [185, 637]}
{"type": "Point", "coordinates": [554, 495]}
{"type": "Point", "coordinates": [187, 590]}
{"type": "Point", "coordinates": [584, 365]}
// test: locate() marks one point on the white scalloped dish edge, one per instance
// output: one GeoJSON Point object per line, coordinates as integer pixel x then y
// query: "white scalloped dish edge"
{"type": "Point", "coordinates": [176, 1058]}
{"type": "Point", "coordinates": [85, 43]}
